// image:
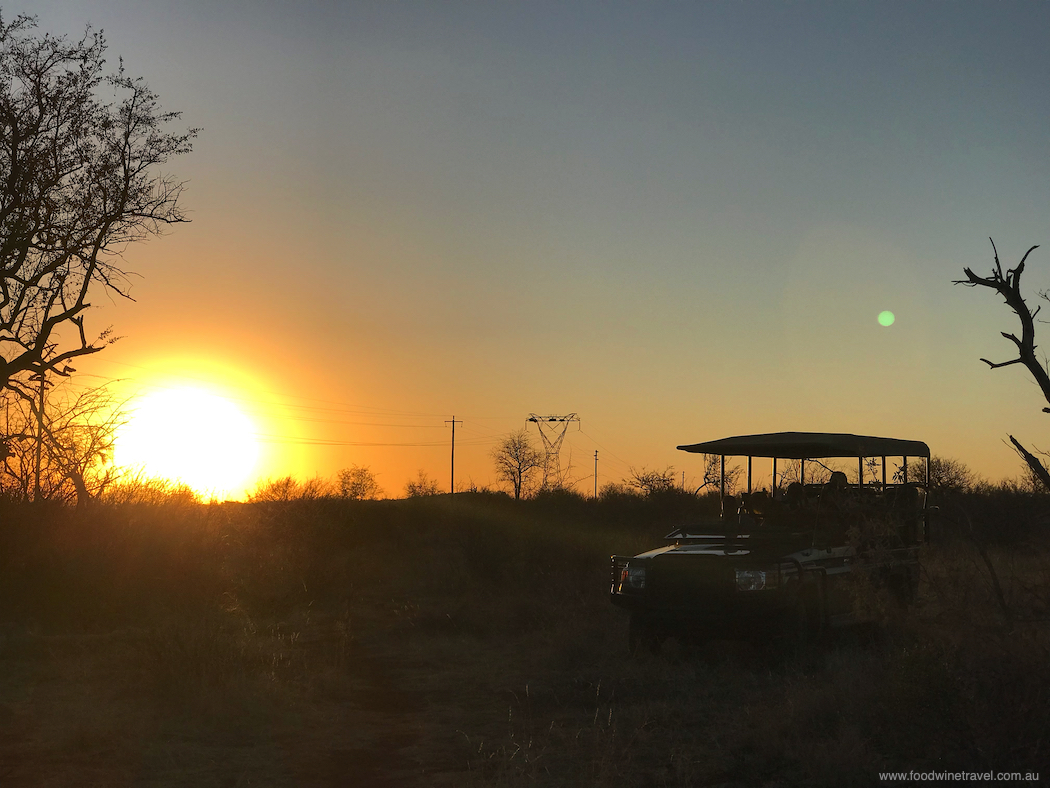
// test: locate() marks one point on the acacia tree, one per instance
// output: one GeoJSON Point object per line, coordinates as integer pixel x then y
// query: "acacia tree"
{"type": "Point", "coordinates": [713, 474]}
{"type": "Point", "coordinates": [79, 183]}
{"type": "Point", "coordinates": [518, 462]}
{"type": "Point", "coordinates": [1008, 285]}
{"type": "Point", "coordinates": [647, 481]}
{"type": "Point", "coordinates": [950, 475]}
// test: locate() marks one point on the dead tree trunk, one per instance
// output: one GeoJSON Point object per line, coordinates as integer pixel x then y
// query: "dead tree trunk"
{"type": "Point", "coordinates": [1033, 462]}
{"type": "Point", "coordinates": [1008, 285]}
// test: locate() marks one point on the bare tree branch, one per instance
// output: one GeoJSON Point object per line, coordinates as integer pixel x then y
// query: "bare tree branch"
{"type": "Point", "coordinates": [517, 462]}
{"type": "Point", "coordinates": [1008, 285]}
{"type": "Point", "coordinates": [79, 183]}
{"type": "Point", "coordinates": [77, 442]}
{"type": "Point", "coordinates": [1002, 363]}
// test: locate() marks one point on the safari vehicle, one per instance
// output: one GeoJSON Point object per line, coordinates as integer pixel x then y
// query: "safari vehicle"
{"type": "Point", "coordinates": [782, 565]}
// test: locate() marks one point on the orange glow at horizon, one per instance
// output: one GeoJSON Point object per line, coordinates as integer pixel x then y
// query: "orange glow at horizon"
{"type": "Point", "coordinates": [192, 436]}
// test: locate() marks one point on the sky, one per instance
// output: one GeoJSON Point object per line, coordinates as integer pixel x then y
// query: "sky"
{"type": "Point", "coordinates": [679, 221]}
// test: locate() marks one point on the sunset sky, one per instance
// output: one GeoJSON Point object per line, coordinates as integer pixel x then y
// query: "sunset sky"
{"type": "Point", "coordinates": [678, 220]}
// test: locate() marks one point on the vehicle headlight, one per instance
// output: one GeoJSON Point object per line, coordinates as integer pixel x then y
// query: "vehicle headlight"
{"type": "Point", "coordinates": [633, 578]}
{"type": "Point", "coordinates": [757, 579]}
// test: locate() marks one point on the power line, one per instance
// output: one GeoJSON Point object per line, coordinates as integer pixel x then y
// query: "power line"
{"type": "Point", "coordinates": [273, 408]}
{"type": "Point", "coordinates": [600, 446]}
{"type": "Point", "coordinates": [345, 409]}
{"type": "Point", "coordinates": [289, 440]}
{"type": "Point", "coordinates": [343, 406]}
{"type": "Point", "coordinates": [610, 462]}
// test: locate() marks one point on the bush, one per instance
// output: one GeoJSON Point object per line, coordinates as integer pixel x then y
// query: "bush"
{"type": "Point", "coordinates": [289, 488]}
{"type": "Point", "coordinates": [358, 483]}
{"type": "Point", "coordinates": [421, 486]}
{"type": "Point", "coordinates": [142, 490]}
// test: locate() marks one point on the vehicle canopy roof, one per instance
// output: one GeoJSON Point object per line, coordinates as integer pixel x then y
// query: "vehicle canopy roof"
{"type": "Point", "coordinates": [809, 445]}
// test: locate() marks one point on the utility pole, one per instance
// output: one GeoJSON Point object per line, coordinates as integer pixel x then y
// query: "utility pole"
{"type": "Point", "coordinates": [452, 483]}
{"type": "Point", "coordinates": [595, 473]}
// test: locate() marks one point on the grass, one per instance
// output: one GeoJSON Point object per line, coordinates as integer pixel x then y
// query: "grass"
{"type": "Point", "coordinates": [470, 642]}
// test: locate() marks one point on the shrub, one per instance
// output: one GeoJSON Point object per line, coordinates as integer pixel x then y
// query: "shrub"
{"type": "Point", "coordinates": [422, 485]}
{"type": "Point", "coordinates": [289, 488]}
{"type": "Point", "coordinates": [358, 483]}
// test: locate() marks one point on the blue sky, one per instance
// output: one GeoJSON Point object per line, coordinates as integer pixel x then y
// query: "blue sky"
{"type": "Point", "coordinates": [679, 220]}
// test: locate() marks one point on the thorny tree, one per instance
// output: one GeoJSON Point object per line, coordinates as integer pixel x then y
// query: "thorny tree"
{"type": "Point", "coordinates": [79, 182]}
{"type": "Point", "coordinates": [1008, 285]}
{"type": "Point", "coordinates": [647, 481]}
{"type": "Point", "coordinates": [713, 474]}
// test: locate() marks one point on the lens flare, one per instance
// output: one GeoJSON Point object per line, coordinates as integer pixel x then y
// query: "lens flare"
{"type": "Point", "coordinates": [886, 318]}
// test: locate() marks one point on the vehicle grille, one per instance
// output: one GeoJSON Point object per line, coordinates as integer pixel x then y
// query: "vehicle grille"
{"type": "Point", "coordinates": [689, 578]}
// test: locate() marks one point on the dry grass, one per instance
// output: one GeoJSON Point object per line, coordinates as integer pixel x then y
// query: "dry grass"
{"type": "Point", "coordinates": [429, 642]}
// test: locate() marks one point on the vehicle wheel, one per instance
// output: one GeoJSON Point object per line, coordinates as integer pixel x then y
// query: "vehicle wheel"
{"type": "Point", "coordinates": [642, 635]}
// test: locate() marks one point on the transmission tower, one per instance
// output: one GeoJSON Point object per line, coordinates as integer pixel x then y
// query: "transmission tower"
{"type": "Point", "coordinates": [552, 431]}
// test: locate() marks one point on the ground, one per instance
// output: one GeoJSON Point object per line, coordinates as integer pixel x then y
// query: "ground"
{"type": "Point", "coordinates": [415, 643]}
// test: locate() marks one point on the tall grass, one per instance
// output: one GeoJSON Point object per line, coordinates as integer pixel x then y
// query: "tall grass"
{"type": "Point", "coordinates": [469, 640]}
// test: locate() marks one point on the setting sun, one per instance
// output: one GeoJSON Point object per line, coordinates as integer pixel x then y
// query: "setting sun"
{"type": "Point", "coordinates": [192, 436]}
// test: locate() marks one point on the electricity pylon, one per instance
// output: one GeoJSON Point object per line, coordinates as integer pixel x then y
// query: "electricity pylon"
{"type": "Point", "coordinates": [552, 432]}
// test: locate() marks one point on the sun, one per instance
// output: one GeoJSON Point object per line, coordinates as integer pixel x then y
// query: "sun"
{"type": "Point", "coordinates": [191, 436]}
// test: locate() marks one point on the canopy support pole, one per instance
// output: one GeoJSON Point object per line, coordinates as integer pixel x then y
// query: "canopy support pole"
{"type": "Point", "coordinates": [722, 485]}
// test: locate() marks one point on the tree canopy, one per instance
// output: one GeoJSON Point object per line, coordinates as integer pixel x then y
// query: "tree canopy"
{"type": "Point", "coordinates": [80, 181]}
{"type": "Point", "coordinates": [518, 462]}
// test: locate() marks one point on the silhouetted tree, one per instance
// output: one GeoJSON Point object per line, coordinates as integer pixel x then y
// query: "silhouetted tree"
{"type": "Point", "coordinates": [422, 485]}
{"type": "Point", "coordinates": [648, 482]}
{"type": "Point", "coordinates": [358, 483]}
{"type": "Point", "coordinates": [1008, 285]}
{"type": "Point", "coordinates": [950, 475]}
{"type": "Point", "coordinates": [288, 488]}
{"type": "Point", "coordinates": [518, 462]}
{"type": "Point", "coordinates": [713, 474]}
{"type": "Point", "coordinates": [79, 182]}
{"type": "Point", "coordinates": [789, 471]}
{"type": "Point", "coordinates": [75, 444]}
